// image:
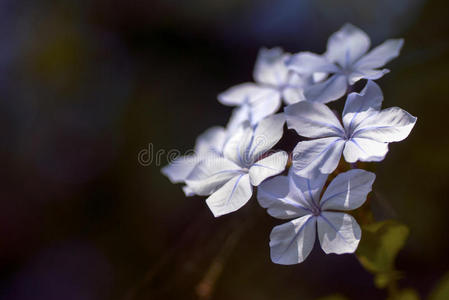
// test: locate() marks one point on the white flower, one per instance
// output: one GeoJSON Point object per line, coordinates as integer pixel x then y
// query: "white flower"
{"type": "Point", "coordinates": [364, 136]}
{"type": "Point", "coordinates": [229, 179]}
{"type": "Point", "coordinates": [273, 83]}
{"type": "Point", "coordinates": [298, 198]}
{"type": "Point", "coordinates": [347, 60]}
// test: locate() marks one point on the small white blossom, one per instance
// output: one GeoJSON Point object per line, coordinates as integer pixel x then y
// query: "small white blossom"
{"type": "Point", "coordinates": [298, 198]}
{"type": "Point", "coordinates": [229, 179]}
{"type": "Point", "coordinates": [273, 83]}
{"type": "Point", "coordinates": [364, 136]}
{"type": "Point", "coordinates": [347, 60]}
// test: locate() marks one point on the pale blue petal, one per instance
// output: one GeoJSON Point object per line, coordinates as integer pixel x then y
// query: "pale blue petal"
{"type": "Point", "coordinates": [293, 95]}
{"type": "Point", "coordinates": [347, 45]}
{"type": "Point", "coordinates": [188, 191]}
{"type": "Point", "coordinates": [313, 120]}
{"type": "Point", "coordinates": [239, 115]}
{"type": "Point", "coordinates": [362, 149]}
{"type": "Point", "coordinates": [293, 91]}
{"type": "Point", "coordinates": [270, 68]}
{"type": "Point", "coordinates": [179, 169]}
{"type": "Point", "coordinates": [246, 93]}
{"type": "Point", "coordinates": [231, 196]}
{"type": "Point", "coordinates": [380, 55]}
{"type": "Point", "coordinates": [348, 190]}
{"type": "Point", "coordinates": [360, 105]}
{"type": "Point", "coordinates": [307, 63]}
{"type": "Point", "coordinates": [389, 125]}
{"type": "Point", "coordinates": [331, 89]}
{"type": "Point", "coordinates": [292, 242]}
{"type": "Point", "coordinates": [265, 106]}
{"type": "Point", "coordinates": [309, 188]}
{"type": "Point", "coordinates": [338, 232]}
{"type": "Point", "coordinates": [237, 147]}
{"type": "Point", "coordinates": [267, 133]}
{"type": "Point", "coordinates": [356, 75]}
{"type": "Point", "coordinates": [254, 112]}
{"type": "Point", "coordinates": [282, 198]}
{"type": "Point", "coordinates": [311, 158]}
{"type": "Point", "coordinates": [211, 174]}
{"type": "Point", "coordinates": [267, 167]}
{"type": "Point", "coordinates": [212, 140]}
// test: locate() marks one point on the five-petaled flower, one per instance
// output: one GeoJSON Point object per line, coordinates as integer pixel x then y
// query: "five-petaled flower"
{"type": "Point", "coordinates": [229, 179]}
{"type": "Point", "coordinates": [298, 198]}
{"type": "Point", "coordinates": [347, 60]}
{"type": "Point", "coordinates": [364, 136]}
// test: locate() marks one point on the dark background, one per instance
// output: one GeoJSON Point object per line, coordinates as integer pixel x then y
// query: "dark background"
{"type": "Point", "coordinates": [86, 85]}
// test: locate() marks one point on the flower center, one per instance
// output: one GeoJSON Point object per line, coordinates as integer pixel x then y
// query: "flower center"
{"type": "Point", "coordinates": [348, 132]}
{"type": "Point", "coordinates": [316, 211]}
{"type": "Point", "coordinates": [347, 71]}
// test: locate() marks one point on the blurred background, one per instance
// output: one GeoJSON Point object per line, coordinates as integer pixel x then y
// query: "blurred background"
{"type": "Point", "coordinates": [85, 86]}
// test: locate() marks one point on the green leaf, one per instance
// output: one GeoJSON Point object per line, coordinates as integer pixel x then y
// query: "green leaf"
{"type": "Point", "coordinates": [441, 292]}
{"type": "Point", "coordinates": [377, 251]}
{"type": "Point", "coordinates": [406, 294]}
{"type": "Point", "coordinates": [381, 280]}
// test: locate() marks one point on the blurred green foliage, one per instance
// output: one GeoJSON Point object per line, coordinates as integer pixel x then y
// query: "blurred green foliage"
{"type": "Point", "coordinates": [406, 294]}
{"type": "Point", "coordinates": [441, 291]}
{"type": "Point", "coordinates": [379, 247]}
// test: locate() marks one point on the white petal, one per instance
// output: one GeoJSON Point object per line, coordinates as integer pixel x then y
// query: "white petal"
{"type": "Point", "coordinates": [347, 45]}
{"type": "Point", "coordinates": [338, 232]}
{"type": "Point", "coordinates": [366, 74]}
{"type": "Point", "coordinates": [267, 167]}
{"type": "Point", "coordinates": [231, 196]}
{"type": "Point", "coordinates": [313, 120]}
{"type": "Point", "coordinates": [380, 55]}
{"type": "Point", "coordinates": [188, 191]}
{"type": "Point", "coordinates": [359, 106]}
{"type": "Point", "coordinates": [308, 188]}
{"type": "Point", "coordinates": [265, 106]}
{"type": "Point", "coordinates": [211, 174]}
{"type": "Point", "coordinates": [331, 89]}
{"type": "Point", "coordinates": [267, 133]}
{"type": "Point", "coordinates": [293, 95]}
{"type": "Point", "coordinates": [308, 63]}
{"type": "Point", "coordinates": [238, 145]}
{"type": "Point", "coordinates": [245, 93]}
{"type": "Point", "coordinates": [311, 158]}
{"type": "Point", "coordinates": [361, 149]}
{"type": "Point", "coordinates": [318, 77]}
{"type": "Point", "coordinates": [282, 199]}
{"type": "Point", "coordinates": [270, 67]}
{"type": "Point", "coordinates": [179, 169]}
{"type": "Point", "coordinates": [212, 140]}
{"type": "Point", "coordinates": [291, 243]}
{"type": "Point", "coordinates": [348, 190]}
{"type": "Point", "coordinates": [239, 115]}
{"type": "Point", "coordinates": [293, 91]}
{"type": "Point", "coordinates": [389, 125]}
{"type": "Point", "coordinates": [255, 112]}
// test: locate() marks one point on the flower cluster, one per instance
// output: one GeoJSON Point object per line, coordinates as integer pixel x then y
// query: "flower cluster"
{"type": "Point", "coordinates": [230, 161]}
